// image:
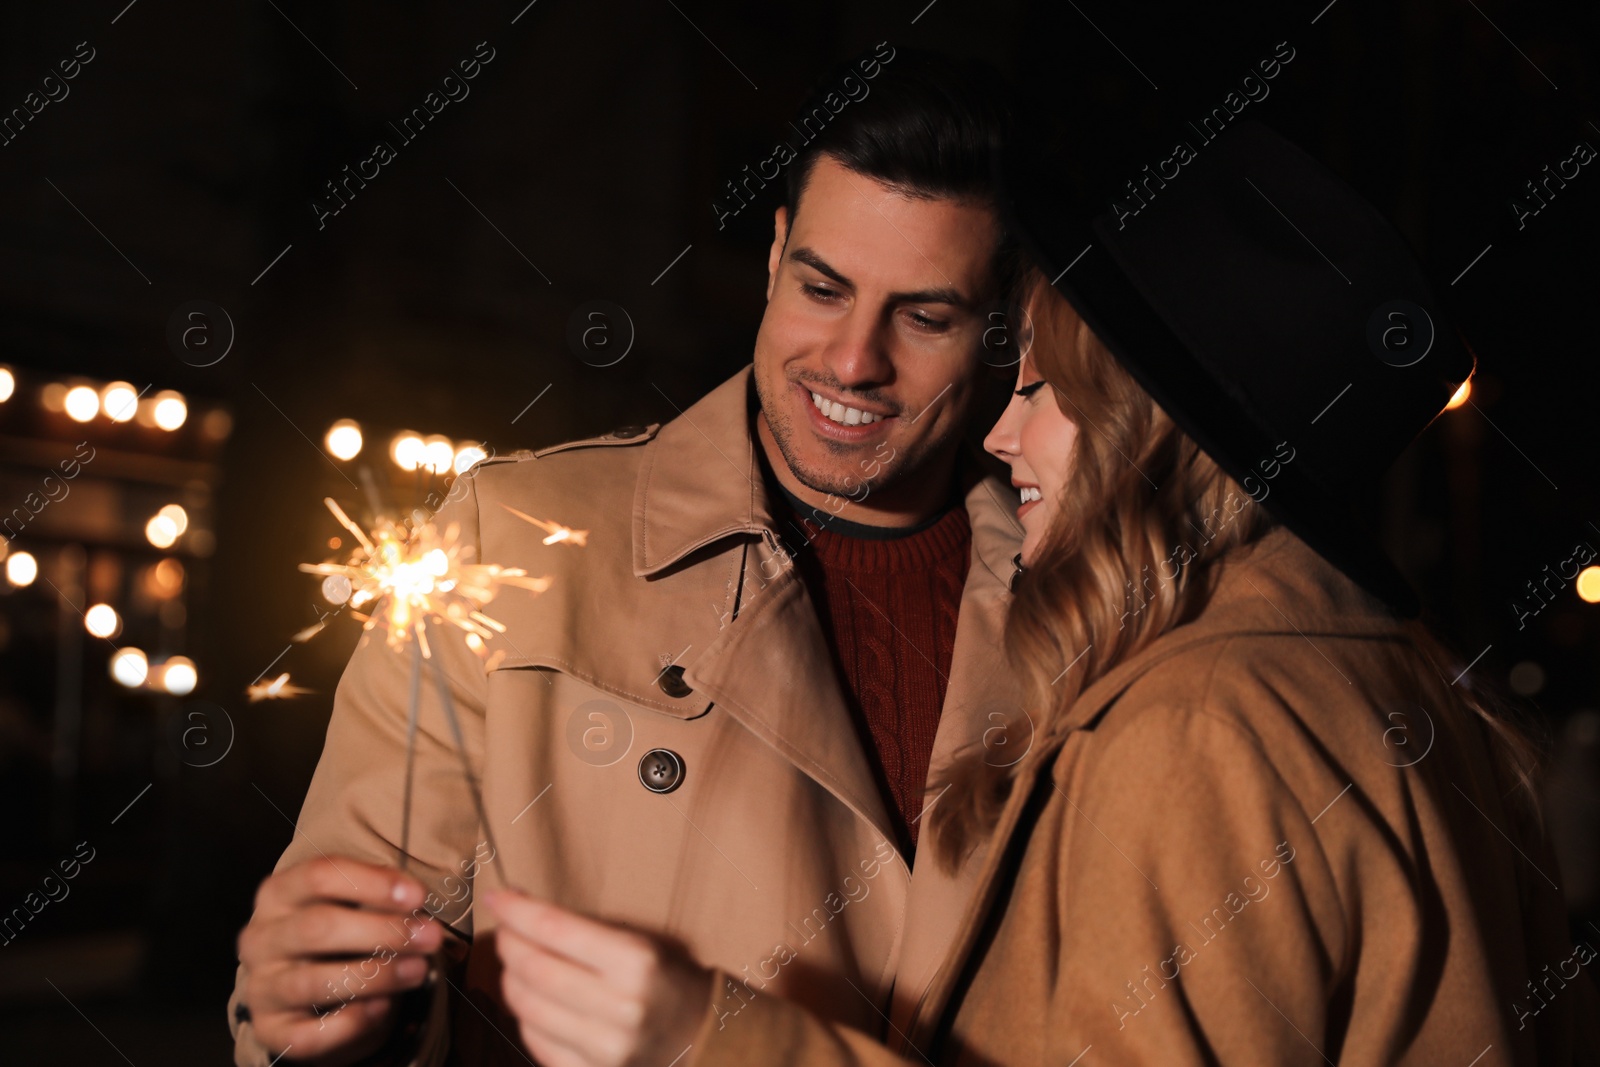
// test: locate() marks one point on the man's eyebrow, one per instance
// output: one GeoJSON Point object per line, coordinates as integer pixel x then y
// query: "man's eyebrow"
{"type": "Point", "coordinates": [945, 295]}
{"type": "Point", "coordinates": [950, 296]}
{"type": "Point", "coordinates": [820, 265]}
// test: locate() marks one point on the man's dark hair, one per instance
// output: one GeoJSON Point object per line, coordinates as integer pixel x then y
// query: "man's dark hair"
{"type": "Point", "coordinates": [930, 125]}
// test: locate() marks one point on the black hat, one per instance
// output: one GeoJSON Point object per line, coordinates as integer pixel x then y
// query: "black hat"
{"type": "Point", "coordinates": [1267, 307]}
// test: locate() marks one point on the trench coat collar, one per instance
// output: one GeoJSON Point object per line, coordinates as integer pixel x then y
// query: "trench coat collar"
{"type": "Point", "coordinates": [701, 482]}
{"type": "Point", "coordinates": [1278, 585]}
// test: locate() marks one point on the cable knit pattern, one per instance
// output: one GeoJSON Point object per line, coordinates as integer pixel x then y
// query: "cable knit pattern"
{"type": "Point", "coordinates": [889, 608]}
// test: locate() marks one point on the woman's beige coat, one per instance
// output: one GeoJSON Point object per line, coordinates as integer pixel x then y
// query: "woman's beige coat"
{"type": "Point", "coordinates": [1270, 838]}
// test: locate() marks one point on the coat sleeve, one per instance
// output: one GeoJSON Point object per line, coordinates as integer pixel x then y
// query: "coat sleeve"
{"type": "Point", "coordinates": [354, 805]}
{"type": "Point", "coordinates": [1196, 917]}
{"type": "Point", "coordinates": [1173, 906]}
{"type": "Point", "coordinates": [778, 1032]}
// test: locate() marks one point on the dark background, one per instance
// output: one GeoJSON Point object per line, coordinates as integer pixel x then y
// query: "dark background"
{"type": "Point", "coordinates": [583, 165]}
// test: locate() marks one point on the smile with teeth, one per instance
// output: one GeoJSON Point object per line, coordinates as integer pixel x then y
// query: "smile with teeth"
{"type": "Point", "coordinates": [845, 416]}
{"type": "Point", "coordinates": [1031, 493]}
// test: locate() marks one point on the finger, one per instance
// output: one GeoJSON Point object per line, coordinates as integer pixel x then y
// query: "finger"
{"type": "Point", "coordinates": [335, 930]}
{"type": "Point", "coordinates": [550, 1053]}
{"type": "Point", "coordinates": [558, 979]}
{"type": "Point", "coordinates": [307, 987]}
{"type": "Point", "coordinates": [553, 1031]}
{"type": "Point", "coordinates": [357, 1030]}
{"type": "Point", "coordinates": [342, 880]}
{"type": "Point", "coordinates": [589, 942]}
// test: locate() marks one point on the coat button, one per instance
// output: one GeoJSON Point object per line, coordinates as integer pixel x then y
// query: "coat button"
{"type": "Point", "coordinates": [625, 432]}
{"type": "Point", "coordinates": [661, 770]}
{"type": "Point", "coordinates": [672, 683]}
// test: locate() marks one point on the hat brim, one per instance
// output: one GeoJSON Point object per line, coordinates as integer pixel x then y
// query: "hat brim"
{"type": "Point", "coordinates": [1084, 271]}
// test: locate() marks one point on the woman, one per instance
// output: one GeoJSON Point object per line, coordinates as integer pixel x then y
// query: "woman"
{"type": "Point", "coordinates": [1262, 819]}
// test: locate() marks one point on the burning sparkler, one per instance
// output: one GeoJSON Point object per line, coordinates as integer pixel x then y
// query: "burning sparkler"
{"type": "Point", "coordinates": [405, 579]}
{"type": "Point", "coordinates": [416, 576]}
{"type": "Point", "coordinates": [559, 534]}
{"type": "Point", "coordinates": [277, 689]}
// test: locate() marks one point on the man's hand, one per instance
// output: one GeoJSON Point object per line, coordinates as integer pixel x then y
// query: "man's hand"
{"type": "Point", "coordinates": [331, 945]}
{"type": "Point", "coordinates": [589, 994]}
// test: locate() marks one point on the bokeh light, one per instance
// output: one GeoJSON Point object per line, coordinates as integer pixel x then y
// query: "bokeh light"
{"type": "Point", "coordinates": [130, 667]}
{"type": "Point", "coordinates": [1589, 584]}
{"type": "Point", "coordinates": [344, 439]}
{"type": "Point", "coordinates": [407, 451]}
{"type": "Point", "coordinates": [170, 410]}
{"type": "Point", "coordinates": [179, 676]}
{"type": "Point", "coordinates": [8, 384]}
{"type": "Point", "coordinates": [439, 454]}
{"type": "Point", "coordinates": [468, 453]}
{"type": "Point", "coordinates": [120, 401]}
{"type": "Point", "coordinates": [336, 589]}
{"type": "Point", "coordinates": [102, 620]}
{"type": "Point", "coordinates": [161, 531]}
{"type": "Point", "coordinates": [165, 579]}
{"type": "Point", "coordinates": [179, 518]}
{"type": "Point", "coordinates": [21, 569]}
{"type": "Point", "coordinates": [1459, 397]}
{"type": "Point", "coordinates": [217, 424]}
{"type": "Point", "coordinates": [81, 403]}
{"type": "Point", "coordinates": [1526, 678]}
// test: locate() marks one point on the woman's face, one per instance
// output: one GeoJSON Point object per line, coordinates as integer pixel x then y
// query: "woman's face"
{"type": "Point", "coordinates": [1036, 439]}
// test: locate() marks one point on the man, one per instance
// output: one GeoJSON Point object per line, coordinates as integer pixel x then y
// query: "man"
{"type": "Point", "coordinates": [718, 723]}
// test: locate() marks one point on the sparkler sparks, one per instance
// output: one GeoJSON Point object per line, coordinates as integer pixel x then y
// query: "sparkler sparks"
{"type": "Point", "coordinates": [308, 633]}
{"type": "Point", "coordinates": [559, 534]}
{"type": "Point", "coordinates": [407, 578]}
{"type": "Point", "coordinates": [277, 689]}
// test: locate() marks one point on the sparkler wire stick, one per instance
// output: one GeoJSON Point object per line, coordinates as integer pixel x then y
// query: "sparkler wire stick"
{"type": "Point", "coordinates": [411, 754]}
{"type": "Point", "coordinates": [410, 574]}
{"type": "Point", "coordinates": [461, 748]}
{"type": "Point", "coordinates": [344, 520]}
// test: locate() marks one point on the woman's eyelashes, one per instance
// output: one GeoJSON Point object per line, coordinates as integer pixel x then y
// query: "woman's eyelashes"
{"type": "Point", "coordinates": [1031, 388]}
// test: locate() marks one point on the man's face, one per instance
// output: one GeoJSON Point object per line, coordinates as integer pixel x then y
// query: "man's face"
{"type": "Point", "coordinates": [868, 354]}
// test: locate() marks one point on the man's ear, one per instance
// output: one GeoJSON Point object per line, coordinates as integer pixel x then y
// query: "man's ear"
{"type": "Point", "coordinates": [780, 237]}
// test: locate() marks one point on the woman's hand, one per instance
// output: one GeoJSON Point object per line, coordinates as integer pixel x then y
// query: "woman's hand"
{"type": "Point", "coordinates": [589, 994]}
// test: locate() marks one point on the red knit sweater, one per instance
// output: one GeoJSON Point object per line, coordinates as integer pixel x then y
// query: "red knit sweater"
{"type": "Point", "coordinates": [888, 607]}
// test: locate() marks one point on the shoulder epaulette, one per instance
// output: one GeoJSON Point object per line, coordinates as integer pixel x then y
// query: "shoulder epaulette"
{"type": "Point", "coordinates": [622, 435]}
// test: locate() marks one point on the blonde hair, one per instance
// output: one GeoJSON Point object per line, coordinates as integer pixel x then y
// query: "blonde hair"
{"type": "Point", "coordinates": [1127, 558]}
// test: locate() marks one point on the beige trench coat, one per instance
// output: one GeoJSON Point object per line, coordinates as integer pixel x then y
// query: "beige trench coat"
{"type": "Point", "coordinates": [776, 832]}
{"type": "Point", "coordinates": [1258, 844]}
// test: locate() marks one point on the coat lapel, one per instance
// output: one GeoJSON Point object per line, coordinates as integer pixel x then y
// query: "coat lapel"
{"type": "Point", "coordinates": [772, 670]}
{"type": "Point", "coordinates": [769, 666]}
{"type": "Point", "coordinates": [982, 711]}
{"type": "Point", "coordinates": [987, 871]}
